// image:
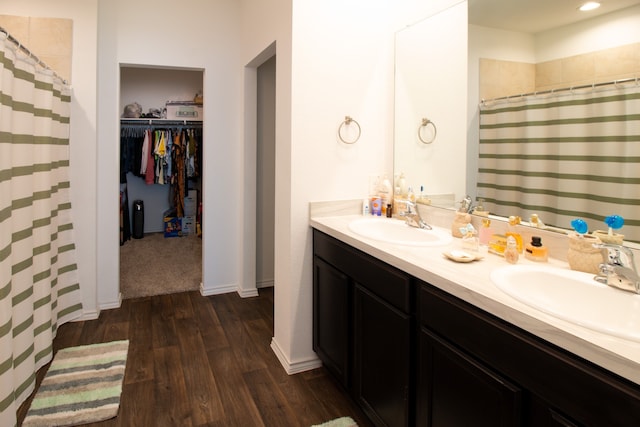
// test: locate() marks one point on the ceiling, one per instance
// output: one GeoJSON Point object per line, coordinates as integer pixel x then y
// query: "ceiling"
{"type": "Point", "coordinates": [534, 16]}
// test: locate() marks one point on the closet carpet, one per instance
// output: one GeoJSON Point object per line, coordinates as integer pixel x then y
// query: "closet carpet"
{"type": "Point", "coordinates": [155, 265]}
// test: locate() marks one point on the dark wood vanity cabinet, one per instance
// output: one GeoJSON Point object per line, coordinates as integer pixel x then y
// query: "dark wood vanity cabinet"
{"type": "Point", "coordinates": [363, 327]}
{"type": "Point", "coordinates": [455, 390]}
{"type": "Point", "coordinates": [382, 359]}
{"type": "Point", "coordinates": [520, 379]}
{"type": "Point", "coordinates": [411, 354]}
{"type": "Point", "coordinates": [332, 319]}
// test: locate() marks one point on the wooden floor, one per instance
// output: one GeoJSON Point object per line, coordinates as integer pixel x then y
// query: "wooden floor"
{"type": "Point", "coordinates": [207, 361]}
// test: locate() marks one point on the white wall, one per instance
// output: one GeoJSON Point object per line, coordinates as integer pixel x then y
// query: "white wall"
{"type": "Point", "coordinates": [431, 83]}
{"type": "Point", "coordinates": [83, 127]}
{"type": "Point", "coordinates": [196, 34]}
{"type": "Point", "coordinates": [603, 32]}
{"type": "Point", "coordinates": [334, 58]}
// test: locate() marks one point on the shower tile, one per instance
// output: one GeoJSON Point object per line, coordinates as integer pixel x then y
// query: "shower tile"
{"type": "Point", "coordinates": [60, 64]}
{"type": "Point", "coordinates": [548, 75]}
{"type": "Point", "coordinates": [615, 62]}
{"type": "Point", "coordinates": [18, 27]}
{"type": "Point", "coordinates": [580, 68]}
{"type": "Point", "coordinates": [51, 36]}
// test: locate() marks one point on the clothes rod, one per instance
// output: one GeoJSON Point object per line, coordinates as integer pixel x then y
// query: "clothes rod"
{"type": "Point", "coordinates": [30, 54]}
{"type": "Point", "coordinates": [545, 92]}
{"type": "Point", "coordinates": [160, 122]}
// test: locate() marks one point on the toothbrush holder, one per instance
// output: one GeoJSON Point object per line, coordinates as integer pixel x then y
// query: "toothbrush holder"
{"type": "Point", "coordinates": [605, 237]}
{"type": "Point", "coordinates": [582, 256]}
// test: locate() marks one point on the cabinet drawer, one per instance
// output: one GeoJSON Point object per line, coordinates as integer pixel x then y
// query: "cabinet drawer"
{"type": "Point", "coordinates": [387, 282]}
{"type": "Point", "coordinates": [592, 395]}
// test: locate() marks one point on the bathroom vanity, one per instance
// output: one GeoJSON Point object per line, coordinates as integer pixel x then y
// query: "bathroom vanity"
{"type": "Point", "coordinates": [419, 340]}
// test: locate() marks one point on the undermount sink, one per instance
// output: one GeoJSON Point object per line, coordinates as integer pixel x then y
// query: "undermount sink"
{"type": "Point", "coordinates": [397, 232]}
{"type": "Point", "coordinates": [572, 296]}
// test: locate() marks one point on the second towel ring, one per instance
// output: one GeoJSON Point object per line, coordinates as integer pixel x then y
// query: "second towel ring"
{"type": "Point", "coordinates": [426, 122]}
{"type": "Point", "coordinates": [347, 121]}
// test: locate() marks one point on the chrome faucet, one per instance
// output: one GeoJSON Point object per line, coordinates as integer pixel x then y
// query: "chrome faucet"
{"type": "Point", "coordinates": [619, 269]}
{"type": "Point", "coordinates": [413, 217]}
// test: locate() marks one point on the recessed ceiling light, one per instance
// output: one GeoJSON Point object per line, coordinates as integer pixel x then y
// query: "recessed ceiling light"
{"type": "Point", "coordinates": [590, 5]}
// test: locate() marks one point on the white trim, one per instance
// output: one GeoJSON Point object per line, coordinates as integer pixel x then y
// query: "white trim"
{"type": "Point", "coordinates": [265, 284]}
{"type": "Point", "coordinates": [248, 293]}
{"type": "Point", "coordinates": [109, 305]}
{"type": "Point", "coordinates": [226, 289]}
{"type": "Point", "coordinates": [294, 367]}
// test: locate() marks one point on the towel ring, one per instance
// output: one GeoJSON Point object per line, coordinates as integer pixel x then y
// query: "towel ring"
{"type": "Point", "coordinates": [426, 122]}
{"type": "Point", "coordinates": [347, 121]}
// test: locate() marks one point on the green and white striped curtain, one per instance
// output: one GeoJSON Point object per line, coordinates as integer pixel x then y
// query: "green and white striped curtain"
{"type": "Point", "coordinates": [39, 287]}
{"type": "Point", "coordinates": [565, 155]}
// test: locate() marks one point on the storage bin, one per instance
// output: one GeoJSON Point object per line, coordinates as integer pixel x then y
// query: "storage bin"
{"type": "Point", "coordinates": [184, 111]}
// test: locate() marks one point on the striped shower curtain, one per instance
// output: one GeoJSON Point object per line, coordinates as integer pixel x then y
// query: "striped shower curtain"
{"type": "Point", "coordinates": [565, 155]}
{"type": "Point", "coordinates": [39, 287]}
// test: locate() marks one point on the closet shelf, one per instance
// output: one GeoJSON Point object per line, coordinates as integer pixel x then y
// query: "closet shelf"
{"type": "Point", "coordinates": [163, 122]}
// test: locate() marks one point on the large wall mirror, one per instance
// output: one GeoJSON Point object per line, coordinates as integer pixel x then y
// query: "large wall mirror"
{"type": "Point", "coordinates": [506, 41]}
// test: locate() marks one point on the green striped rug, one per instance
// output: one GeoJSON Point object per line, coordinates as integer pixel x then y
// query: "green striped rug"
{"type": "Point", "coordinates": [83, 385]}
{"type": "Point", "coordinates": [338, 422]}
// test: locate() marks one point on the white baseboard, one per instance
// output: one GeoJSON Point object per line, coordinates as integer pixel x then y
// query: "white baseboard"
{"type": "Point", "coordinates": [217, 291]}
{"type": "Point", "coordinates": [294, 367]}
{"type": "Point", "coordinates": [265, 284]}
{"type": "Point", "coordinates": [248, 293]}
{"type": "Point", "coordinates": [112, 304]}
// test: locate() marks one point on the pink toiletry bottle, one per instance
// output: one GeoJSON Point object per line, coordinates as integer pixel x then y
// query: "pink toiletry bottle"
{"type": "Point", "coordinates": [485, 232]}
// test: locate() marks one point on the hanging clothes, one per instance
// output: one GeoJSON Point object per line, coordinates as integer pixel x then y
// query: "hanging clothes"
{"type": "Point", "coordinates": [159, 156]}
{"type": "Point", "coordinates": [145, 153]}
{"type": "Point", "coordinates": [162, 156]}
{"type": "Point", "coordinates": [178, 180]}
{"type": "Point", "coordinates": [149, 176]}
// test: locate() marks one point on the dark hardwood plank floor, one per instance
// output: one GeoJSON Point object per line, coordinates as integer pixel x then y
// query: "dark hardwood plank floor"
{"type": "Point", "coordinates": [206, 361]}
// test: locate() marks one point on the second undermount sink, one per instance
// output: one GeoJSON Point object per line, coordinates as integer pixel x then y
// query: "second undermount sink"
{"type": "Point", "coordinates": [572, 296]}
{"type": "Point", "coordinates": [397, 232]}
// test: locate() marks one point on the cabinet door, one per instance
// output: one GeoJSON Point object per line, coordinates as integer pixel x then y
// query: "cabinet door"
{"type": "Point", "coordinates": [539, 414]}
{"type": "Point", "coordinates": [382, 359]}
{"type": "Point", "coordinates": [455, 390]}
{"type": "Point", "coordinates": [331, 313]}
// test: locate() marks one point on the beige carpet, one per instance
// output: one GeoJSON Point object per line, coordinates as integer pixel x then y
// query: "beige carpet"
{"type": "Point", "coordinates": [155, 265]}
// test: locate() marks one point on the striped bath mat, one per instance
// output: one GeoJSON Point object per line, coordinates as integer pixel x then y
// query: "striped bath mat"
{"type": "Point", "coordinates": [339, 422]}
{"type": "Point", "coordinates": [83, 385]}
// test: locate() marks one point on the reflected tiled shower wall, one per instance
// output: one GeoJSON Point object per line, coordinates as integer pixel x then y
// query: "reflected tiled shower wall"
{"type": "Point", "coordinates": [505, 78]}
{"type": "Point", "coordinates": [50, 39]}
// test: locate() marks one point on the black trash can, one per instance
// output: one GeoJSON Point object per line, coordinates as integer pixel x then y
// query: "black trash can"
{"type": "Point", "coordinates": [138, 219]}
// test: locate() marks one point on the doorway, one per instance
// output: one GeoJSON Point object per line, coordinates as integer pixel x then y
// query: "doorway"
{"type": "Point", "coordinates": [160, 206]}
{"type": "Point", "coordinates": [265, 172]}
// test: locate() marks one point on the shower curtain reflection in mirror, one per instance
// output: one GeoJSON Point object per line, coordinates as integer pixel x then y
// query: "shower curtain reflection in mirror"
{"type": "Point", "coordinates": [564, 155]}
{"type": "Point", "coordinates": [39, 287]}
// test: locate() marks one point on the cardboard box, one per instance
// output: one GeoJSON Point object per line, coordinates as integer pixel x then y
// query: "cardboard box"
{"type": "Point", "coordinates": [184, 111]}
{"type": "Point", "coordinates": [172, 224]}
{"type": "Point", "coordinates": [191, 203]}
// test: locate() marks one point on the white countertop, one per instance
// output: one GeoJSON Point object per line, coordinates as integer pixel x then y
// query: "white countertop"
{"type": "Point", "coordinates": [471, 282]}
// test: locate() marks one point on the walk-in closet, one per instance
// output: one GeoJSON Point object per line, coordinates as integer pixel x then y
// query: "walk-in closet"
{"type": "Point", "coordinates": [161, 143]}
